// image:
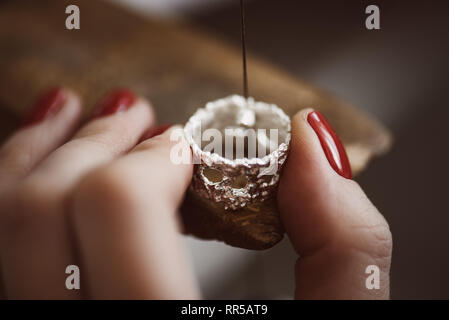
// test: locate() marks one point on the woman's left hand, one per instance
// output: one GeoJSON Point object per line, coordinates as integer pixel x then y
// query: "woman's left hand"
{"type": "Point", "coordinates": [95, 198]}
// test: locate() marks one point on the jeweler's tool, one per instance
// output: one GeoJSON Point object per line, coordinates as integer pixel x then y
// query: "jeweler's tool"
{"type": "Point", "coordinates": [245, 71]}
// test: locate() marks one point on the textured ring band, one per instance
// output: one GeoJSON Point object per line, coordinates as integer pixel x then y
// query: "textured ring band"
{"type": "Point", "coordinates": [248, 169]}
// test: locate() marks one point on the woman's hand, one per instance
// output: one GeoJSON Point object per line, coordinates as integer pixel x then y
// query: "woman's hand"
{"type": "Point", "coordinates": [333, 226]}
{"type": "Point", "coordinates": [100, 201]}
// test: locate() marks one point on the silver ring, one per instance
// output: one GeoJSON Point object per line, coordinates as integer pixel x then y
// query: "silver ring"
{"type": "Point", "coordinates": [254, 138]}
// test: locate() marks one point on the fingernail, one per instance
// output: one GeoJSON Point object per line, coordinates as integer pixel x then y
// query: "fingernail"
{"type": "Point", "coordinates": [117, 101]}
{"type": "Point", "coordinates": [331, 144]}
{"type": "Point", "coordinates": [158, 130]}
{"type": "Point", "coordinates": [48, 104]}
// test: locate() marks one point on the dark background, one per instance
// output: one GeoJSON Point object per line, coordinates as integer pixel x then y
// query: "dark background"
{"type": "Point", "coordinates": [400, 75]}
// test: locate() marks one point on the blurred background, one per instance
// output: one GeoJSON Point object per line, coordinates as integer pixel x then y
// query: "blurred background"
{"type": "Point", "coordinates": [398, 74]}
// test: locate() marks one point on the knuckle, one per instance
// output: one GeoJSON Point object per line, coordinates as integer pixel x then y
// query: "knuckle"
{"type": "Point", "coordinates": [99, 142]}
{"type": "Point", "coordinates": [384, 239]}
{"type": "Point", "coordinates": [376, 241]}
{"type": "Point", "coordinates": [106, 134]}
{"type": "Point", "coordinates": [104, 192]}
{"type": "Point", "coordinates": [14, 159]}
{"type": "Point", "coordinates": [28, 205]}
{"type": "Point", "coordinates": [371, 234]}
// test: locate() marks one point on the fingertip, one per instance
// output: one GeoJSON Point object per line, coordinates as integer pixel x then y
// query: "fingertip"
{"type": "Point", "coordinates": [309, 186]}
{"type": "Point", "coordinates": [73, 105]}
{"type": "Point", "coordinates": [150, 108]}
{"type": "Point", "coordinates": [301, 115]}
{"type": "Point", "coordinates": [123, 100]}
{"type": "Point", "coordinates": [49, 123]}
{"type": "Point", "coordinates": [330, 222]}
{"type": "Point", "coordinates": [306, 163]}
{"type": "Point", "coordinates": [316, 148]}
{"type": "Point", "coordinates": [150, 113]}
{"type": "Point", "coordinates": [316, 202]}
{"type": "Point", "coordinates": [49, 104]}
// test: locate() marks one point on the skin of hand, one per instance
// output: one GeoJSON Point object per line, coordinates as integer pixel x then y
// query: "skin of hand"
{"type": "Point", "coordinates": [99, 197]}
{"type": "Point", "coordinates": [332, 225]}
{"type": "Point", "coordinates": [93, 197]}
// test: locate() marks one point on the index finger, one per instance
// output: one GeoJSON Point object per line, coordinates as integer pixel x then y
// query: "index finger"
{"type": "Point", "coordinates": [125, 219]}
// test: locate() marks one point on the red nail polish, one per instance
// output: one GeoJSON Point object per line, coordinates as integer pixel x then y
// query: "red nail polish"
{"type": "Point", "coordinates": [331, 144]}
{"type": "Point", "coordinates": [49, 103]}
{"type": "Point", "coordinates": [158, 130]}
{"type": "Point", "coordinates": [117, 101]}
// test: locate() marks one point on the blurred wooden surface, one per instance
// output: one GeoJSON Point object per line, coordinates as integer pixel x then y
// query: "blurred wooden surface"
{"type": "Point", "coordinates": [178, 67]}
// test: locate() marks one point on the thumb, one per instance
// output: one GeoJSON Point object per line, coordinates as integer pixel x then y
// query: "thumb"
{"type": "Point", "coordinates": [333, 226]}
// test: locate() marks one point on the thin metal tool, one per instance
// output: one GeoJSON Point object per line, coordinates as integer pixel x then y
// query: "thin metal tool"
{"type": "Point", "coordinates": [245, 71]}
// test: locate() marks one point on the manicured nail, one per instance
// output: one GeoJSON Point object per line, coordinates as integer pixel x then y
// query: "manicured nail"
{"type": "Point", "coordinates": [158, 130]}
{"type": "Point", "coordinates": [48, 104]}
{"type": "Point", "coordinates": [331, 144]}
{"type": "Point", "coordinates": [117, 101]}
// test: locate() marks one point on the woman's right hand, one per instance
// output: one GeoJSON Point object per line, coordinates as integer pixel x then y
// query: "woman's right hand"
{"type": "Point", "coordinates": [335, 229]}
